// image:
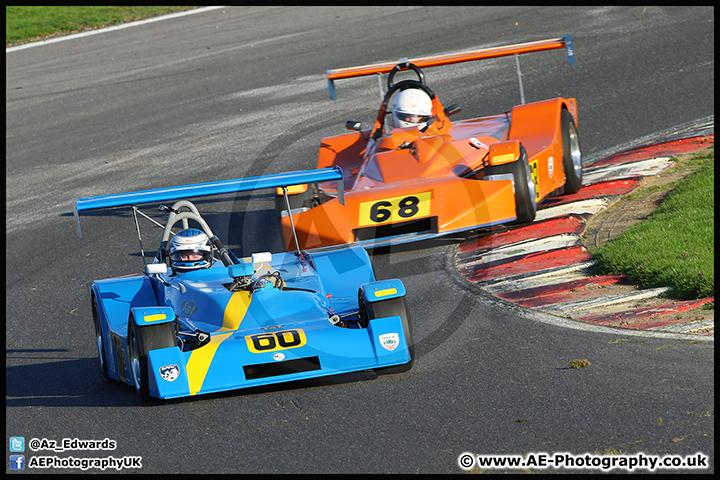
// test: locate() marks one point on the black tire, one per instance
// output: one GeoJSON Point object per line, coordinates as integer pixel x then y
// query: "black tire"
{"type": "Point", "coordinates": [140, 341]}
{"type": "Point", "coordinates": [390, 308]}
{"type": "Point", "coordinates": [99, 340]}
{"type": "Point", "coordinates": [572, 156]}
{"type": "Point", "coordinates": [525, 206]}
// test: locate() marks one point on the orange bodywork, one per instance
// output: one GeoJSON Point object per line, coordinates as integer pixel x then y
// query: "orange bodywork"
{"type": "Point", "coordinates": [409, 183]}
{"type": "Point", "coordinates": [404, 184]}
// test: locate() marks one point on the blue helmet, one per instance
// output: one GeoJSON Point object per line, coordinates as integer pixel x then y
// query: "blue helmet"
{"type": "Point", "coordinates": [190, 250]}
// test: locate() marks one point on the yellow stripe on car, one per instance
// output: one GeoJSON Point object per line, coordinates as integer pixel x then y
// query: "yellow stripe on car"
{"type": "Point", "coordinates": [199, 362]}
{"type": "Point", "coordinates": [235, 311]}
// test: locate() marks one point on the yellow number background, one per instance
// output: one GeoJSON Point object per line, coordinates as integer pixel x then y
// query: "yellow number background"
{"type": "Point", "coordinates": [422, 206]}
{"type": "Point", "coordinates": [270, 342]}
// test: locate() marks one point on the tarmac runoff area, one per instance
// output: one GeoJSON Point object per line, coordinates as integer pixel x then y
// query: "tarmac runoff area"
{"type": "Point", "coordinates": [545, 266]}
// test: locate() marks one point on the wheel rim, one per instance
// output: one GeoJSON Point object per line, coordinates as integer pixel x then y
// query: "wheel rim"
{"type": "Point", "coordinates": [575, 154]}
{"type": "Point", "coordinates": [135, 362]}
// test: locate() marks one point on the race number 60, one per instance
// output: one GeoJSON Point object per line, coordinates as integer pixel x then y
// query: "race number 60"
{"type": "Point", "coordinates": [271, 341]}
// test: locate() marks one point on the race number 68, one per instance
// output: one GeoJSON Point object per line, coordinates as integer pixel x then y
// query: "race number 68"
{"type": "Point", "coordinates": [396, 209]}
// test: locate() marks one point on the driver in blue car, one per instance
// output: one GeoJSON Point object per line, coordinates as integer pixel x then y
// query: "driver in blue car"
{"type": "Point", "coordinates": [190, 250]}
{"type": "Point", "coordinates": [412, 108]}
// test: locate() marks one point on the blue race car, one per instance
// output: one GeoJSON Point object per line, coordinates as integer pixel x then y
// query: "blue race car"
{"type": "Point", "coordinates": [201, 320]}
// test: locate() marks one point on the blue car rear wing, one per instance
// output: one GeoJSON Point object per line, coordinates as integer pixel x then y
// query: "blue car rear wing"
{"type": "Point", "coordinates": [210, 188]}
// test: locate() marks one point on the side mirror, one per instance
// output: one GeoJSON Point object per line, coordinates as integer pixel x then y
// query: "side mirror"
{"type": "Point", "coordinates": [452, 109]}
{"type": "Point", "coordinates": [262, 257]}
{"type": "Point", "coordinates": [353, 125]}
{"type": "Point", "coordinates": [155, 268]}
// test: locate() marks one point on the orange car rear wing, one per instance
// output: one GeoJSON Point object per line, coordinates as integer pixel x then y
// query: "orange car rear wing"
{"type": "Point", "coordinates": [448, 59]}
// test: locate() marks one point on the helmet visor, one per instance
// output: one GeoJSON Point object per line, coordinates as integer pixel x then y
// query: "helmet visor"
{"type": "Point", "coordinates": [190, 258]}
{"type": "Point", "coordinates": [411, 118]}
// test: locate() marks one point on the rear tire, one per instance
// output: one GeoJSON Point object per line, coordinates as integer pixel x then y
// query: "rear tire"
{"type": "Point", "coordinates": [140, 341]}
{"type": "Point", "coordinates": [572, 157]}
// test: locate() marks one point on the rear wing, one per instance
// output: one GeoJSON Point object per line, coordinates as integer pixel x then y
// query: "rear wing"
{"type": "Point", "coordinates": [210, 188]}
{"type": "Point", "coordinates": [467, 56]}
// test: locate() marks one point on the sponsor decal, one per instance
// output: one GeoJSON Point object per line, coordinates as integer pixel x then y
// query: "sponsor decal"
{"type": "Point", "coordinates": [551, 165]}
{"type": "Point", "coordinates": [389, 341]}
{"type": "Point", "coordinates": [279, 356]}
{"type": "Point", "coordinates": [477, 143]}
{"type": "Point", "coordinates": [535, 178]}
{"type": "Point", "coordinates": [169, 373]}
{"type": "Point", "coordinates": [188, 308]}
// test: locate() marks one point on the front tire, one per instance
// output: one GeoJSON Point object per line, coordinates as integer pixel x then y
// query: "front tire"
{"type": "Point", "coordinates": [525, 207]}
{"type": "Point", "coordinates": [140, 341]}
{"type": "Point", "coordinates": [390, 308]}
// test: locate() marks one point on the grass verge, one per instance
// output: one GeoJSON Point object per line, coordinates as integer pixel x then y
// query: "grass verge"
{"type": "Point", "coordinates": [675, 246]}
{"type": "Point", "coordinates": [28, 24]}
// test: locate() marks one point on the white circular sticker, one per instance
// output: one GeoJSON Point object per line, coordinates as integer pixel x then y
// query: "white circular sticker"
{"type": "Point", "coordinates": [279, 356]}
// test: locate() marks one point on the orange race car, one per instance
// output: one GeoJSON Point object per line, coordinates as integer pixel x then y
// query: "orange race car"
{"type": "Point", "coordinates": [418, 175]}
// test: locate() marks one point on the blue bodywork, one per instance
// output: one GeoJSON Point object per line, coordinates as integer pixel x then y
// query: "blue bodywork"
{"type": "Point", "coordinates": [308, 324]}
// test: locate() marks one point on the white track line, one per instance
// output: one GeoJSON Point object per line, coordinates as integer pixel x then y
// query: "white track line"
{"type": "Point", "coordinates": [109, 29]}
{"type": "Point", "coordinates": [621, 171]}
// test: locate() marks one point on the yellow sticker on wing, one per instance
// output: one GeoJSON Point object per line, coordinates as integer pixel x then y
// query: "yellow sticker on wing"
{"type": "Point", "coordinates": [155, 318]}
{"type": "Point", "coordinates": [386, 292]}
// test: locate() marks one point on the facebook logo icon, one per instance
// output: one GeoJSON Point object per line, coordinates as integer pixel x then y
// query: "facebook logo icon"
{"type": "Point", "coordinates": [17, 462]}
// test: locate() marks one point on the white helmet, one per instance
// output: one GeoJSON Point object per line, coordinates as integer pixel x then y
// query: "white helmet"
{"type": "Point", "coordinates": [412, 107]}
{"type": "Point", "coordinates": [190, 250]}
